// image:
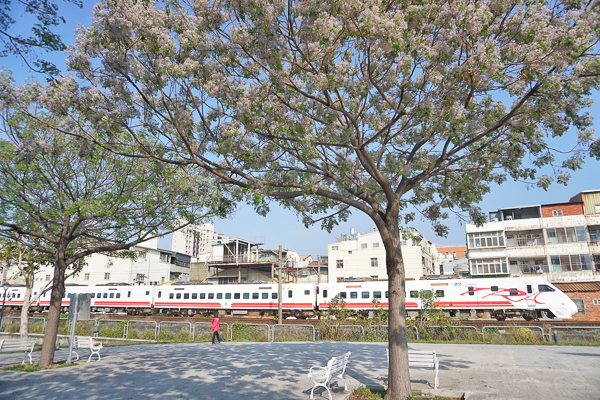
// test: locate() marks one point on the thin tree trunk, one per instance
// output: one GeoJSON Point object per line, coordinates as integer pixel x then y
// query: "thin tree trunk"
{"type": "Point", "coordinates": [398, 375]}
{"type": "Point", "coordinates": [25, 309]}
{"type": "Point", "coordinates": [58, 289]}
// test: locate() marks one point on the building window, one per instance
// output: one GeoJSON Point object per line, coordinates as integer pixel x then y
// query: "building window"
{"type": "Point", "coordinates": [566, 235]}
{"type": "Point", "coordinates": [349, 251]}
{"type": "Point", "coordinates": [571, 263]}
{"type": "Point", "coordinates": [486, 239]}
{"type": "Point", "coordinates": [363, 245]}
{"type": "Point", "coordinates": [597, 208]}
{"type": "Point", "coordinates": [86, 277]}
{"type": "Point", "coordinates": [47, 277]}
{"type": "Point", "coordinates": [528, 266]}
{"type": "Point", "coordinates": [557, 213]}
{"type": "Point", "coordinates": [580, 305]}
{"type": "Point", "coordinates": [489, 266]}
{"type": "Point", "coordinates": [339, 263]}
{"type": "Point", "coordinates": [375, 245]}
{"type": "Point", "coordinates": [594, 234]}
{"type": "Point", "coordinates": [375, 278]}
{"type": "Point", "coordinates": [373, 262]}
{"type": "Point", "coordinates": [334, 248]}
{"type": "Point", "coordinates": [529, 238]}
{"type": "Point", "coordinates": [597, 302]}
{"type": "Point", "coordinates": [107, 275]}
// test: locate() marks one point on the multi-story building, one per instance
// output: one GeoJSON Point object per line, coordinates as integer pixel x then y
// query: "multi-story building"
{"type": "Point", "coordinates": [557, 242]}
{"type": "Point", "coordinates": [194, 240]}
{"type": "Point", "coordinates": [362, 256]}
{"type": "Point", "coordinates": [453, 260]}
{"type": "Point", "coordinates": [153, 267]}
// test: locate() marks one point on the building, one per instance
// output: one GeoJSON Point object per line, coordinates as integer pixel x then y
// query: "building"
{"type": "Point", "coordinates": [362, 256]}
{"type": "Point", "coordinates": [153, 267]}
{"type": "Point", "coordinates": [453, 260]}
{"type": "Point", "coordinates": [239, 260]}
{"type": "Point", "coordinates": [587, 297]}
{"type": "Point", "coordinates": [558, 242]}
{"type": "Point", "coordinates": [194, 240]}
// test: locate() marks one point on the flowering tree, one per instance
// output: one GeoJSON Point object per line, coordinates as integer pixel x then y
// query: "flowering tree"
{"type": "Point", "coordinates": [392, 108]}
{"type": "Point", "coordinates": [65, 199]}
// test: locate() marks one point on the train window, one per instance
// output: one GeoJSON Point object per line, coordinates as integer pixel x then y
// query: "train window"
{"type": "Point", "coordinates": [439, 293]}
{"type": "Point", "coordinates": [159, 293]}
{"type": "Point", "coordinates": [387, 294]}
{"type": "Point", "coordinates": [93, 295]}
{"type": "Point", "coordinates": [202, 296]}
{"type": "Point", "coordinates": [354, 295]}
{"type": "Point", "coordinates": [343, 295]}
{"type": "Point", "coordinates": [147, 293]}
{"type": "Point", "coordinates": [186, 295]}
{"type": "Point", "coordinates": [255, 296]}
{"type": "Point", "coordinates": [545, 288]}
{"type": "Point", "coordinates": [227, 295]}
{"type": "Point", "coordinates": [105, 295]}
{"type": "Point", "coordinates": [307, 292]}
{"type": "Point", "coordinates": [18, 295]}
{"type": "Point", "coordinates": [325, 293]}
{"type": "Point", "coordinates": [118, 295]}
{"type": "Point", "coordinates": [529, 289]}
{"type": "Point", "coordinates": [194, 296]}
{"type": "Point", "coordinates": [129, 294]}
{"type": "Point", "coordinates": [426, 291]}
{"type": "Point", "coordinates": [112, 295]}
{"type": "Point", "coordinates": [290, 294]}
{"type": "Point", "coordinates": [170, 295]}
{"type": "Point", "coordinates": [494, 288]}
{"type": "Point", "coordinates": [246, 296]}
{"type": "Point", "coordinates": [236, 296]}
{"type": "Point", "coordinates": [265, 296]}
{"type": "Point", "coordinates": [219, 296]}
{"type": "Point", "coordinates": [414, 294]}
{"type": "Point", "coordinates": [365, 295]}
{"type": "Point", "coordinates": [211, 296]}
{"type": "Point", "coordinates": [471, 291]}
{"type": "Point", "coordinates": [514, 292]}
{"type": "Point", "coordinates": [376, 295]}
{"type": "Point", "coordinates": [274, 296]}
{"type": "Point", "coordinates": [178, 296]}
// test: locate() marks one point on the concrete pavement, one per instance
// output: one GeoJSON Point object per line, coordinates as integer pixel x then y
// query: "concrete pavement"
{"type": "Point", "coordinates": [278, 371]}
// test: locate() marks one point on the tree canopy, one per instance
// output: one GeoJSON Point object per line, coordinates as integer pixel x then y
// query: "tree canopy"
{"type": "Point", "coordinates": [63, 197]}
{"type": "Point", "coordinates": [393, 108]}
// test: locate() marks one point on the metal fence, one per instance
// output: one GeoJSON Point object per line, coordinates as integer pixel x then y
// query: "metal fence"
{"type": "Point", "coordinates": [239, 331]}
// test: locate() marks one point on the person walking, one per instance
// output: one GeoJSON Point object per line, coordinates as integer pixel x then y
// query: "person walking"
{"type": "Point", "coordinates": [215, 327]}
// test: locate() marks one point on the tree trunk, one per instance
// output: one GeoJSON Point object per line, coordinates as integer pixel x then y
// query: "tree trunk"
{"type": "Point", "coordinates": [398, 376]}
{"type": "Point", "coordinates": [25, 309]}
{"type": "Point", "coordinates": [58, 289]}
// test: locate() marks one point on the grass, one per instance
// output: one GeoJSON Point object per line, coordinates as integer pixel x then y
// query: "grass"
{"type": "Point", "coordinates": [364, 393]}
{"type": "Point", "coordinates": [36, 367]}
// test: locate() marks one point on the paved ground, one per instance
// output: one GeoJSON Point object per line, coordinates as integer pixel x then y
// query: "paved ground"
{"type": "Point", "coordinates": [278, 371]}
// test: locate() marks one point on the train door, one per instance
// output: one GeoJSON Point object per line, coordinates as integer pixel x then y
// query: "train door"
{"type": "Point", "coordinates": [530, 294]}
{"type": "Point", "coordinates": [472, 296]}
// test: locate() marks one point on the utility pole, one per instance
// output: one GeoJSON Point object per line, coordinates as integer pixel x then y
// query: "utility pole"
{"type": "Point", "coordinates": [319, 269]}
{"type": "Point", "coordinates": [280, 287]}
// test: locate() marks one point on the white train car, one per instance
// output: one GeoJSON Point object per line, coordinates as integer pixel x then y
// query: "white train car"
{"type": "Point", "coordinates": [253, 299]}
{"type": "Point", "coordinates": [503, 298]}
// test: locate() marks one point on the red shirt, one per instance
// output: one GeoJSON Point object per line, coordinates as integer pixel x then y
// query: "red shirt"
{"type": "Point", "coordinates": [215, 324]}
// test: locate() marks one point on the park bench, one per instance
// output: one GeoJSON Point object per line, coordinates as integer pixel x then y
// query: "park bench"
{"type": "Point", "coordinates": [422, 359]}
{"type": "Point", "coordinates": [322, 376]}
{"type": "Point", "coordinates": [87, 342]}
{"type": "Point", "coordinates": [11, 345]}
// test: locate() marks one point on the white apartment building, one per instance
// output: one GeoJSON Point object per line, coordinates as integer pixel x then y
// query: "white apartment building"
{"type": "Point", "coordinates": [153, 267]}
{"type": "Point", "coordinates": [557, 242]}
{"type": "Point", "coordinates": [362, 256]}
{"type": "Point", "coordinates": [194, 240]}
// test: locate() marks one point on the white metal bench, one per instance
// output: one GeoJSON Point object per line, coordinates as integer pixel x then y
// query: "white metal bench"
{"type": "Point", "coordinates": [322, 376]}
{"type": "Point", "coordinates": [422, 359]}
{"type": "Point", "coordinates": [87, 342]}
{"type": "Point", "coordinates": [13, 345]}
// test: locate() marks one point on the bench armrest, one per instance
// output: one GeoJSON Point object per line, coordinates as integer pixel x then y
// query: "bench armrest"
{"type": "Point", "coordinates": [318, 372]}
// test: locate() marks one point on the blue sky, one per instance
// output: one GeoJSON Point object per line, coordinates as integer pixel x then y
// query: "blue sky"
{"type": "Point", "coordinates": [282, 227]}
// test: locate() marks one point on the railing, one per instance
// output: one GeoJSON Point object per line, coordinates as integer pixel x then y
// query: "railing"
{"type": "Point", "coordinates": [295, 334]}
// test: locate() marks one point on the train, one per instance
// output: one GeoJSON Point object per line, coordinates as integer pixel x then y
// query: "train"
{"type": "Point", "coordinates": [501, 298]}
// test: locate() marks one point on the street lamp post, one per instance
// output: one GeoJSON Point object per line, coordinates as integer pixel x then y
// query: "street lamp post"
{"type": "Point", "coordinates": [5, 286]}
